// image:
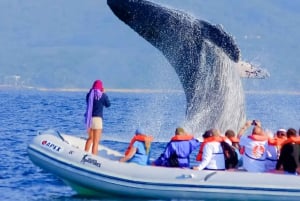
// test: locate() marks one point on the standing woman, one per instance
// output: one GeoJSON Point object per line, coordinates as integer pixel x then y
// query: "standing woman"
{"type": "Point", "coordinates": [96, 99]}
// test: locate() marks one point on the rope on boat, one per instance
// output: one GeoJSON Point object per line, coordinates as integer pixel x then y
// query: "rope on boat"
{"type": "Point", "coordinates": [61, 137]}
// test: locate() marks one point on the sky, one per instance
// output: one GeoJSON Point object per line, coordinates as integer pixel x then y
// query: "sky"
{"type": "Point", "coordinates": [70, 43]}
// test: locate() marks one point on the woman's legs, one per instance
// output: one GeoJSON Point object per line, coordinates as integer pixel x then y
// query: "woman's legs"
{"type": "Point", "coordinates": [89, 141]}
{"type": "Point", "coordinates": [97, 133]}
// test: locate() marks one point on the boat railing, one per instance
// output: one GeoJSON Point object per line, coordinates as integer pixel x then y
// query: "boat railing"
{"type": "Point", "coordinates": [54, 132]}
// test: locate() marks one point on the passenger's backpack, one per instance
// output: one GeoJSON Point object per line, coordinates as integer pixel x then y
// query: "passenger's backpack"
{"type": "Point", "coordinates": [230, 156]}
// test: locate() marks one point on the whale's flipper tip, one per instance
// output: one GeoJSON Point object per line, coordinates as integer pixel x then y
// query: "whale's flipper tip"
{"type": "Point", "coordinates": [247, 70]}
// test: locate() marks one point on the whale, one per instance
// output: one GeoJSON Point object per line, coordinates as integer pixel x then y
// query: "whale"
{"type": "Point", "coordinates": [204, 56]}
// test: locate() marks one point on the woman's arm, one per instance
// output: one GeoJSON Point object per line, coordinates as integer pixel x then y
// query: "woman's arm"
{"type": "Point", "coordinates": [131, 153]}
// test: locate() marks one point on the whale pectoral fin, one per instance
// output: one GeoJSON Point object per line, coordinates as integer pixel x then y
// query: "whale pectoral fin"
{"type": "Point", "coordinates": [217, 35]}
{"type": "Point", "coordinates": [247, 70]}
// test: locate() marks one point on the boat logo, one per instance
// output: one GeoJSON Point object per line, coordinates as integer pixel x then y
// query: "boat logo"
{"type": "Point", "coordinates": [51, 146]}
{"type": "Point", "coordinates": [86, 159]}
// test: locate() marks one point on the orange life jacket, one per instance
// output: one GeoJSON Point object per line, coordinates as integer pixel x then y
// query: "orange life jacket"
{"type": "Point", "coordinates": [182, 137]}
{"type": "Point", "coordinates": [258, 137]}
{"type": "Point", "coordinates": [276, 141]}
{"type": "Point", "coordinates": [139, 137]}
{"type": "Point", "coordinates": [234, 139]}
{"type": "Point", "coordinates": [206, 140]}
{"type": "Point", "coordinates": [255, 138]}
{"type": "Point", "coordinates": [291, 140]}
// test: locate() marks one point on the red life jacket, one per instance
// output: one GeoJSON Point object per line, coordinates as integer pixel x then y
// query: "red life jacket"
{"type": "Point", "coordinates": [276, 141]}
{"type": "Point", "coordinates": [206, 140]}
{"type": "Point", "coordinates": [186, 137]}
{"type": "Point", "coordinates": [258, 137]}
{"type": "Point", "coordinates": [139, 137]}
{"type": "Point", "coordinates": [255, 137]}
{"type": "Point", "coordinates": [234, 139]}
{"type": "Point", "coordinates": [291, 140]}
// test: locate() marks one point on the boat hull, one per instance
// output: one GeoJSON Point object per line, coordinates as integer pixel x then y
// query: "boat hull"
{"type": "Point", "coordinates": [104, 175]}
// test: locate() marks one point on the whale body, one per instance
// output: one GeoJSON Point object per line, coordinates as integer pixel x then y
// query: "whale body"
{"type": "Point", "coordinates": [203, 55]}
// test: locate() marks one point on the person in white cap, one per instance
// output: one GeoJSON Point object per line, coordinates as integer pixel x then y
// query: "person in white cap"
{"type": "Point", "coordinates": [281, 133]}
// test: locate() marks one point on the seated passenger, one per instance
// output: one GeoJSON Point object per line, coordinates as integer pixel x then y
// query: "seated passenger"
{"type": "Point", "coordinates": [289, 158]}
{"type": "Point", "coordinates": [178, 150]}
{"type": "Point", "coordinates": [232, 139]}
{"type": "Point", "coordinates": [235, 142]}
{"type": "Point", "coordinates": [211, 155]}
{"type": "Point", "coordinates": [138, 150]}
{"type": "Point", "coordinates": [253, 147]}
{"type": "Point", "coordinates": [273, 149]}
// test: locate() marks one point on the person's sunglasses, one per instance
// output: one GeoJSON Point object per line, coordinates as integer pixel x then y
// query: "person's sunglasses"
{"type": "Point", "coordinates": [281, 134]}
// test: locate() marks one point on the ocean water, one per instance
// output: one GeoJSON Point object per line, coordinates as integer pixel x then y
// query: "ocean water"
{"type": "Point", "coordinates": [24, 113]}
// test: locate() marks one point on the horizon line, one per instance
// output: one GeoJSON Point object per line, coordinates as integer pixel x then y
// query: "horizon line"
{"type": "Point", "coordinates": [138, 90]}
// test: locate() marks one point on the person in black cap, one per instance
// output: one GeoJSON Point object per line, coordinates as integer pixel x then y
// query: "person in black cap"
{"type": "Point", "coordinates": [211, 155]}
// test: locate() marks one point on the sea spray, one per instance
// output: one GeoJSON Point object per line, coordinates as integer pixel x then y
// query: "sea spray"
{"type": "Point", "coordinates": [222, 105]}
{"type": "Point", "coordinates": [203, 56]}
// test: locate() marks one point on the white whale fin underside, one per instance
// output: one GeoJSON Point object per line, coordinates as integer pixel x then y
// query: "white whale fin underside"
{"type": "Point", "coordinates": [247, 70]}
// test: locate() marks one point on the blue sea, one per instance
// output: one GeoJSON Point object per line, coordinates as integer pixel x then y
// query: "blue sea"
{"type": "Point", "coordinates": [24, 113]}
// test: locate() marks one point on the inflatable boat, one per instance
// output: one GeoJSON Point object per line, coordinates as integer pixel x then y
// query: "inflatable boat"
{"type": "Point", "coordinates": [103, 175]}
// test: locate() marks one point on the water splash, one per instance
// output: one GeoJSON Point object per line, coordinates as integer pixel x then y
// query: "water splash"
{"type": "Point", "coordinates": [218, 101]}
{"type": "Point", "coordinates": [203, 56]}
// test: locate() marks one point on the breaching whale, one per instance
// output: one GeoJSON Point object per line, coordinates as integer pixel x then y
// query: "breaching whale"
{"type": "Point", "coordinates": [204, 56]}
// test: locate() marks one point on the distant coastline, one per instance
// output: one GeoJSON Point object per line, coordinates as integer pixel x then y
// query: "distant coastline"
{"type": "Point", "coordinates": [274, 92]}
{"type": "Point", "coordinates": [120, 90]}
{"type": "Point", "coordinates": [13, 87]}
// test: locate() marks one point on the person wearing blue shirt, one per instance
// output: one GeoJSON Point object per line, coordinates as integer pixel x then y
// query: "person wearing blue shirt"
{"type": "Point", "coordinates": [96, 99]}
{"type": "Point", "coordinates": [178, 150]}
{"type": "Point", "coordinates": [138, 150]}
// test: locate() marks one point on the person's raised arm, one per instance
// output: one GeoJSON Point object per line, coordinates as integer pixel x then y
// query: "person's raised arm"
{"type": "Point", "coordinates": [244, 128]}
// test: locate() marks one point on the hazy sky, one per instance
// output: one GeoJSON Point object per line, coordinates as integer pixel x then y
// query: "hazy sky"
{"type": "Point", "coordinates": [72, 42]}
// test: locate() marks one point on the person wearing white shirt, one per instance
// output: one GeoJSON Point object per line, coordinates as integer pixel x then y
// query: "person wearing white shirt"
{"type": "Point", "coordinates": [211, 154]}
